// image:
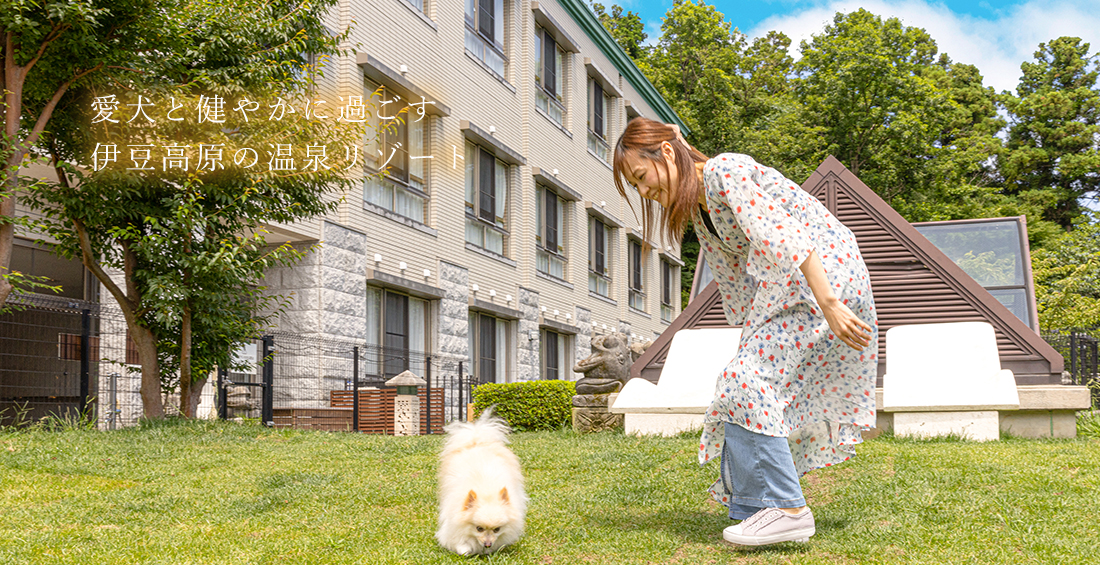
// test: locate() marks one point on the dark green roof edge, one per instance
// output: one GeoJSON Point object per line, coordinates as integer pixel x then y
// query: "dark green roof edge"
{"type": "Point", "coordinates": [595, 30]}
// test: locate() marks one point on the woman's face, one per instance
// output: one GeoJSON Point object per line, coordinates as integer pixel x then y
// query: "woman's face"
{"type": "Point", "coordinates": [653, 179]}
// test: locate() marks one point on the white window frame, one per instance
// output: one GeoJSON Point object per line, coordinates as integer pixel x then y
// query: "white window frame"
{"type": "Point", "coordinates": [503, 338]}
{"type": "Point", "coordinates": [550, 98]}
{"type": "Point", "coordinates": [667, 310]}
{"type": "Point", "coordinates": [487, 42]}
{"type": "Point", "coordinates": [599, 282]}
{"type": "Point", "coordinates": [403, 191]}
{"type": "Point", "coordinates": [376, 329]}
{"type": "Point", "coordinates": [553, 262]}
{"type": "Point", "coordinates": [636, 281]}
{"type": "Point", "coordinates": [598, 142]}
{"type": "Point", "coordinates": [564, 357]}
{"type": "Point", "coordinates": [491, 235]}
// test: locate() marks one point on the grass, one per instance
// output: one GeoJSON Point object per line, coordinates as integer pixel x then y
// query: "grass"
{"type": "Point", "coordinates": [212, 493]}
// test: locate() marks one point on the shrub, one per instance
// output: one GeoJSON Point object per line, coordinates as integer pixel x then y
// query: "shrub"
{"type": "Point", "coordinates": [529, 406]}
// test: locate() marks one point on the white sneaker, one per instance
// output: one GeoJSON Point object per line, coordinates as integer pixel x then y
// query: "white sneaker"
{"type": "Point", "coordinates": [771, 525]}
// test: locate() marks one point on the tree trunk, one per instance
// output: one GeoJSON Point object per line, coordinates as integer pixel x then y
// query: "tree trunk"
{"type": "Point", "coordinates": [151, 402]}
{"type": "Point", "coordinates": [7, 230]}
{"type": "Point", "coordinates": [190, 397]}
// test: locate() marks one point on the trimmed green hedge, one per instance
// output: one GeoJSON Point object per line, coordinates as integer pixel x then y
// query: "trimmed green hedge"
{"type": "Point", "coordinates": [529, 406]}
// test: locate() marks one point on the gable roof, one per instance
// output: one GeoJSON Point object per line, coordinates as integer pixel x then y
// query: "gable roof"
{"type": "Point", "coordinates": [913, 282]}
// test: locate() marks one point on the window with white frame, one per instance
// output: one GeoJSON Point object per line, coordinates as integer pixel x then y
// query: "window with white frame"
{"type": "Point", "coordinates": [599, 257]}
{"type": "Point", "coordinates": [598, 105]}
{"type": "Point", "coordinates": [636, 262]}
{"type": "Point", "coordinates": [549, 75]}
{"type": "Point", "coordinates": [485, 33]}
{"type": "Point", "coordinates": [488, 340]}
{"type": "Point", "coordinates": [550, 237]}
{"type": "Point", "coordinates": [667, 274]}
{"type": "Point", "coordinates": [397, 332]}
{"type": "Point", "coordinates": [486, 199]}
{"type": "Point", "coordinates": [398, 146]}
{"type": "Point", "coordinates": [421, 5]}
{"type": "Point", "coordinates": [554, 355]}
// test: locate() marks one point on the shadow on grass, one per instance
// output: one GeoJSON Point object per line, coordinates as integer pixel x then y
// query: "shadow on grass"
{"type": "Point", "coordinates": [700, 527]}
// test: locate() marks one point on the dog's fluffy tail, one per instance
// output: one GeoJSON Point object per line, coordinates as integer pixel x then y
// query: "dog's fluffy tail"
{"type": "Point", "coordinates": [487, 429]}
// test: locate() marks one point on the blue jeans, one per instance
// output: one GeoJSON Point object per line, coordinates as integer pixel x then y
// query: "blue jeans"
{"type": "Point", "coordinates": [758, 472]}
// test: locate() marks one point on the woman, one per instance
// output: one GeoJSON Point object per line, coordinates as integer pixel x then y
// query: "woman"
{"type": "Point", "coordinates": [801, 384]}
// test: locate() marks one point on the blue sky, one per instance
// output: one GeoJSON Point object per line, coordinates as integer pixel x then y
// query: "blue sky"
{"type": "Point", "coordinates": [994, 35]}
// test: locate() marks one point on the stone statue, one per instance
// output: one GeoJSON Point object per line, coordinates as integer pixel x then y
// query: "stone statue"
{"type": "Point", "coordinates": [606, 370]}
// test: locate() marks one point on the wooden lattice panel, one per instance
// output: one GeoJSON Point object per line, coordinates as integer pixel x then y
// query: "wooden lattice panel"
{"type": "Point", "coordinates": [376, 408]}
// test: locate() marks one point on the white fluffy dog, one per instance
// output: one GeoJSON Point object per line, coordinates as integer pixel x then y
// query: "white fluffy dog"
{"type": "Point", "coordinates": [482, 502]}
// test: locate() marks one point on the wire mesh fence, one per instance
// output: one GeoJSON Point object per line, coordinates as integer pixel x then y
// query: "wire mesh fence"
{"type": "Point", "coordinates": [330, 384]}
{"type": "Point", "coordinates": [68, 359]}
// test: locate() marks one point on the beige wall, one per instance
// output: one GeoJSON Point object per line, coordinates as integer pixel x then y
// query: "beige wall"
{"type": "Point", "coordinates": [432, 48]}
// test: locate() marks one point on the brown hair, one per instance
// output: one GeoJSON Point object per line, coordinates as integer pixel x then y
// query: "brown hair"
{"type": "Point", "coordinates": [644, 137]}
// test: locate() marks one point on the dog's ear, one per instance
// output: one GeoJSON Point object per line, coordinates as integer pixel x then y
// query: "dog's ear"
{"type": "Point", "coordinates": [471, 499]}
{"type": "Point", "coordinates": [504, 495]}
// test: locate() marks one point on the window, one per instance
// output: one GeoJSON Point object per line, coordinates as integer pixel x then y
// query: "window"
{"type": "Point", "coordinates": [550, 238]}
{"type": "Point", "coordinates": [75, 281]}
{"type": "Point", "coordinates": [488, 338]}
{"type": "Point", "coordinates": [419, 5]}
{"type": "Point", "coordinates": [549, 75]}
{"type": "Point", "coordinates": [400, 147]}
{"type": "Point", "coordinates": [486, 199]}
{"type": "Point", "coordinates": [132, 355]}
{"type": "Point", "coordinates": [637, 275]}
{"type": "Point", "coordinates": [68, 347]}
{"type": "Point", "coordinates": [598, 103]}
{"type": "Point", "coordinates": [396, 331]}
{"type": "Point", "coordinates": [599, 274]}
{"type": "Point", "coordinates": [666, 291]}
{"type": "Point", "coordinates": [554, 356]}
{"type": "Point", "coordinates": [485, 33]}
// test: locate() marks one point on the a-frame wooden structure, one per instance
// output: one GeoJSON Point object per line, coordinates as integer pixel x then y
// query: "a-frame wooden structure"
{"type": "Point", "coordinates": [913, 282]}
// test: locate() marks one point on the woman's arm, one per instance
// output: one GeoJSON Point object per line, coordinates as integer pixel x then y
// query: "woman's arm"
{"type": "Point", "coordinates": [850, 329]}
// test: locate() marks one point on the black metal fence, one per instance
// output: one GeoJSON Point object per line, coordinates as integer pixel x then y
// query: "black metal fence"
{"type": "Point", "coordinates": [68, 359]}
{"type": "Point", "coordinates": [329, 384]}
{"type": "Point", "coordinates": [1079, 348]}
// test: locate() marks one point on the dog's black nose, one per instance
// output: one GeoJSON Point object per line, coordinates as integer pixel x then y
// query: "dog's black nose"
{"type": "Point", "coordinates": [488, 544]}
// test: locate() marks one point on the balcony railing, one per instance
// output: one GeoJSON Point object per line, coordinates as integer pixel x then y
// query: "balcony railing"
{"type": "Point", "coordinates": [598, 146]}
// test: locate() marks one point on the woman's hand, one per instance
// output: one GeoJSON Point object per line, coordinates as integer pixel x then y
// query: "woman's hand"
{"type": "Point", "coordinates": [845, 325]}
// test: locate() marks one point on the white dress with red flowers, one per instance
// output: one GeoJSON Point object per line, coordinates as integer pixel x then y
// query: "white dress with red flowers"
{"type": "Point", "coordinates": [790, 376]}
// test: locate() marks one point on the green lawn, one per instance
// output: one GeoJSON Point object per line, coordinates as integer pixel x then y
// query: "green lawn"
{"type": "Point", "coordinates": [207, 493]}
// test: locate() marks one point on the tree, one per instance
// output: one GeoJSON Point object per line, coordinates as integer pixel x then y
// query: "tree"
{"type": "Point", "coordinates": [1054, 136]}
{"type": "Point", "coordinates": [869, 83]}
{"type": "Point", "coordinates": [186, 241]}
{"type": "Point", "coordinates": [48, 49]}
{"type": "Point", "coordinates": [1067, 278]}
{"type": "Point", "coordinates": [627, 29]}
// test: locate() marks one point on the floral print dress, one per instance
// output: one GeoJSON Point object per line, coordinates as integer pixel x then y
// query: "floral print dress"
{"type": "Point", "coordinates": [790, 376]}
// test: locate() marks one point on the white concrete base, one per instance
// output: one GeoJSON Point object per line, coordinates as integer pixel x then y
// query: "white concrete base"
{"type": "Point", "coordinates": [978, 425]}
{"type": "Point", "coordinates": [662, 424]}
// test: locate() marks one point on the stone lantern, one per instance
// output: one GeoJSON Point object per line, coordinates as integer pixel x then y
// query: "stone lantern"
{"type": "Point", "coordinates": [406, 406]}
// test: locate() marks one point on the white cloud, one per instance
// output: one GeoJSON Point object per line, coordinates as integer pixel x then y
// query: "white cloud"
{"type": "Point", "coordinates": [653, 32]}
{"type": "Point", "coordinates": [995, 45]}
